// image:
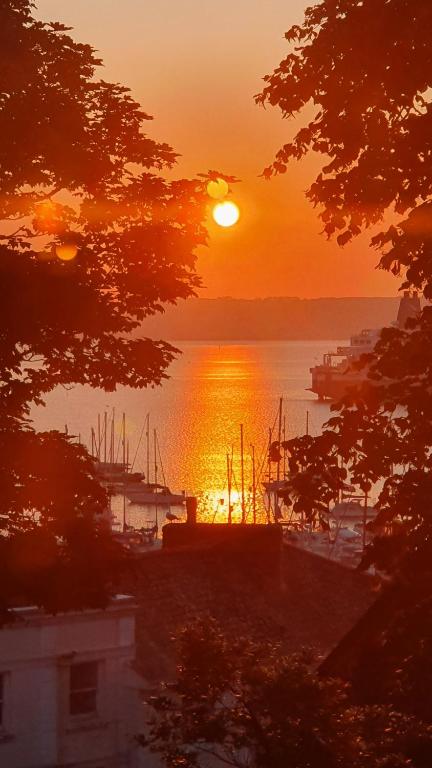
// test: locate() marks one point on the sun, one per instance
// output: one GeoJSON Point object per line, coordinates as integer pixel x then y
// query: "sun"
{"type": "Point", "coordinates": [226, 214]}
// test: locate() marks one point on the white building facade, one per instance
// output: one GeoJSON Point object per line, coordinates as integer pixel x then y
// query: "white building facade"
{"type": "Point", "coordinates": [68, 693]}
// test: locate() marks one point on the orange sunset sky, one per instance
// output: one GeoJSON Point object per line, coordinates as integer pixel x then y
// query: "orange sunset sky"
{"type": "Point", "coordinates": [195, 65]}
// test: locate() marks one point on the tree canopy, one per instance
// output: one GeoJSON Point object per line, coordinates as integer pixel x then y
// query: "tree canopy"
{"type": "Point", "coordinates": [364, 69]}
{"type": "Point", "coordinates": [78, 171]}
{"type": "Point", "coordinates": [93, 238]}
{"type": "Point", "coordinates": [245, 704]}
{"type": "Point", "coordinates": [360, 73]}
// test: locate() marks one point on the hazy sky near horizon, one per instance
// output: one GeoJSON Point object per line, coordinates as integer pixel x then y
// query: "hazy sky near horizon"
{"type": "Point", "coordinates": [195, 65]}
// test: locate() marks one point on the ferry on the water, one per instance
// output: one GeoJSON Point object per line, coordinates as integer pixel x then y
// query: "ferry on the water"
{"type": "Point", "coordinates": [337, 374]}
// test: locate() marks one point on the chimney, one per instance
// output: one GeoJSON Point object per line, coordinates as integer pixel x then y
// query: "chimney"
{"type": "Point", "coordinates": [191, 510]}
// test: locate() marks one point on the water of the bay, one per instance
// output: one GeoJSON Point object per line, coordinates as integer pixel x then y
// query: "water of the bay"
{"type": "Point", "coordinates": [212, 389]}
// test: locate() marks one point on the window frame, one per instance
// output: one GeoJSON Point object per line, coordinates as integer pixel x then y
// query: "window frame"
{"type": "Point", "coordinates": [76, 691]}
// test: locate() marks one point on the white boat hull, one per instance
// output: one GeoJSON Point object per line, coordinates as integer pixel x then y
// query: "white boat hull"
{"type": "Point", "coordinates": [155, 499]}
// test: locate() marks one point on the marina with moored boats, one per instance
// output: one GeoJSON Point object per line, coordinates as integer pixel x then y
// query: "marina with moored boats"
{"type": "Point", "coordinates": [128, 461]}
{"type": "Point", "coordinates": [255, 497]}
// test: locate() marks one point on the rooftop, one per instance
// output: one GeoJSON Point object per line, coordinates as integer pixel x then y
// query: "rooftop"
{"type": "Point", "coordinates": [297, 597]}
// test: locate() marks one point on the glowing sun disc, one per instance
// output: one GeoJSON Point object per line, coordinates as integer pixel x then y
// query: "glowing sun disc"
{"type": "Point", "coordinates": [226, 214]}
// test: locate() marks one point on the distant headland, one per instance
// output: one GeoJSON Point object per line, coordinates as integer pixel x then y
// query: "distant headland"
{"type": "Point", "coordinates": [270, 319]}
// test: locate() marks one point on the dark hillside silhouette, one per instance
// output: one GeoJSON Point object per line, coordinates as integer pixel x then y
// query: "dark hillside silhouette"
{"type": "Point", "coordinates": [227, 319]}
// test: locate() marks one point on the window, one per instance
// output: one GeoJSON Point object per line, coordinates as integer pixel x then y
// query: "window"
{"type": "Point", "coordinates": [83, 688]}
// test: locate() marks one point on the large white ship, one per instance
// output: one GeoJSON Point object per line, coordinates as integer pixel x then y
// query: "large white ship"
{"type": "Point", "coordinates": [336, 375]}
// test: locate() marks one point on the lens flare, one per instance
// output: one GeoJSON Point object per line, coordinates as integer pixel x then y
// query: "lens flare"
{"type": "Point", "coordinates": [66, 251]}
{"type": "Point", "coordinates": [217, 189]}
{"type": "Point", "coordinates": [226, 214]}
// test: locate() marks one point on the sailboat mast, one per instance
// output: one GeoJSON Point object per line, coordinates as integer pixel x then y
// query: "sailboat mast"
{"type": "Point", "coordinates": [112, 437]}
{"type": "Point", "coordinates": [279, 436]}
{"type": "Point", "coordinates": [155, 456]}
{"type": "Point", "coordinates": [229, 488]}
{"type": "Point", "coordinates": [161, 466]}
{"type": "Point", "coordinates": [124, 468]}
{"type": "Point", "coordinates": [105, 436]}
{"type": "Point", "coordinates": [269, 455]}
{"type": "Point", "coordinates": [155, 479]}
{"type": "Point", "coordinates": [124, 440]}
{"type": "Point", "coordinates": [148, 448]}
{"type": "Point", "coordinates": [269, 475]}
{"type": "Point", "coordinates": [284, 453]}
{"type": "Point", "coordinates": [253, 485]}
{"type": "Point", "coordinates": [243, 509]}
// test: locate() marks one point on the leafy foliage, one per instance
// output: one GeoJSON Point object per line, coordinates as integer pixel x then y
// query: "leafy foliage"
{"type": "Point", "coordinates": [245, 704]}
{"type": "Point", "coordinates": [93, 239]}
{"type": "Point", "coordinates": [363, 70]}
{"type": "Point", "coordinates": [380, 439]}
{"type": "Point", "coordinates": [56, 548]}
{"type": "Point", "coordinates": [77, 170]}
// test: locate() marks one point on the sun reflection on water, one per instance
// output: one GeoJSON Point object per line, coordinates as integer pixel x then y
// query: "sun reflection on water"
{"type": "Point", "coordinates": [212, 389]}
{"type": "Point", "coordinates": [222, 397]}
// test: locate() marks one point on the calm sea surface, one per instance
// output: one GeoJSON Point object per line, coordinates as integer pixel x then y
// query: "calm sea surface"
{"type": "Point", "coordinates": [213, 388]}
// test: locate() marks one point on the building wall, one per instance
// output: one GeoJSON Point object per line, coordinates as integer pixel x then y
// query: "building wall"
{"type": "Point", "coordinates": [36, 653]}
